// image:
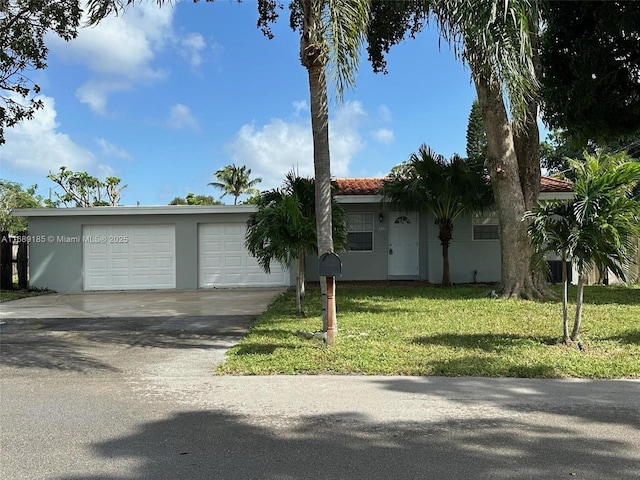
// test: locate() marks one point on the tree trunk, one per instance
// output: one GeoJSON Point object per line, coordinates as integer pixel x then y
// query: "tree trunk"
{"type": "Point", "coordinates": [565, 301]}
{"type": "Point", "coordinates": [303, 265]}
{"type": "Point", "coordinates": [445, 236]}
{"type": "Point", "coordinates": [575, 333]}
{"type": "Point", "coordinates": [312, 57]}
{"type": "Point", "coordinates": [299, 282]}
{"type": "Point", "coordinates": [526, 140]}
{"type": "Point", "coordinates": [527, 137]}
{"type": "Point", "coordinates": [503, 167]}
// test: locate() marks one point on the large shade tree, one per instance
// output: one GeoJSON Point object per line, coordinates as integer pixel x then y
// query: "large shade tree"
{"type": "Point", "coordinates": [24, 26]}
{"type": "Point", "coordinates": [445, 188]}
{"type": "Point", "coordinates": [498, 40]}
{"type": "Point", "coordinates": [13, 195]}
{"type": "Point", "coordinates": [591, 76]}
{"type": "Point", "coordinates": [598, 227]}
{"type": "Point", "coordinates": [234, 180]}
{"type": "Point", "coordinates": [283, 228]}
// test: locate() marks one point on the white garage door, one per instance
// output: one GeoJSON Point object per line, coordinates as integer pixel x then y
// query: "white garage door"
{"type": "Point", "coordinates": [223, 260]}
{"type": "Point", "coordinates": [129, 257]}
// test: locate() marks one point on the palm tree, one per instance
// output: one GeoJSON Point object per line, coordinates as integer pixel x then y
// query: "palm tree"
{"type": "Point", "coordinates": [332, 33]}
{"type": "Point", "coordinates": [445, 188]}
{"type": "Point", "coordinates": [235, 181]}
{"type": "Point", "coordinates": [597, 228]}
{"type": "Point", "coordinates": [283, 228]}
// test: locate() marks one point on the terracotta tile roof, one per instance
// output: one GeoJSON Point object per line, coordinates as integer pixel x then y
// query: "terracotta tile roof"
{"type": "Point", "coordinates": [371, 186]}
{"type": "Point", "coordinates": [549, 184]}
{"type": "Point", "coordinates": [358, 186]}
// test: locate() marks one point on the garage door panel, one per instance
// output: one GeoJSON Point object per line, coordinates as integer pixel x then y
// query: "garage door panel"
{"type": "Point", "coordinates": [164, 247]}
{"type": "Point", "coordinates": [223, 260]}
{"type": "Point", "coordinates": [142, 258]}
{"type": "Point", "coordinates": [121, 248]}
{"type": "Point", "coordinates": [163, 262]}
{"type": "Point", "coordinates": [233, 261]}
{"type": "Point", "coordinates": [120, 264]}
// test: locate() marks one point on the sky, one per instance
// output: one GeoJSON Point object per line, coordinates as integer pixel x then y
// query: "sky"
{"type": "Point", "coordinates": [162, 98]}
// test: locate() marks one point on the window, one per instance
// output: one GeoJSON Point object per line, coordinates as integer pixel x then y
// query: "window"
{"type": "Point", "coordinates": [360, 232]}
{"type": "Point", "coordinates": [486, 226]}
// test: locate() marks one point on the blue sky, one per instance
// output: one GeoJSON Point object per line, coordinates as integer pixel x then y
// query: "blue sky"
{"type": "Point", "coordinates": [162, 98]}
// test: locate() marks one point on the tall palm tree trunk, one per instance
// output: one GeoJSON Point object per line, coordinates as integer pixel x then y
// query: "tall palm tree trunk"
{"type": "Point", "coordinates": [299, 282]}
{"type": "Point", "coordinates": [445, 237]}
{"type": "Point", "coordinates": [313, 58]}
{"type": "Point", "coordinates": [565, 301]}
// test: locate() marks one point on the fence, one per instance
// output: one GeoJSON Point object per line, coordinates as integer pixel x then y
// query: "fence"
{"type": "Point", "coordinates": [14, 260]}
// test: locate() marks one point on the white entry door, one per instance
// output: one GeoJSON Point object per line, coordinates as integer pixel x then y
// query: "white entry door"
{"type": "Point", "coordinates": [403, 244]}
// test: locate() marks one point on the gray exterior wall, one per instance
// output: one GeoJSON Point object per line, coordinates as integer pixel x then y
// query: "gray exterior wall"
{"type": "Point", "coordinates": [58, 265]}
{"type": "Point", "coordinates": [373, 265]}
{"type": "Point", "coordinates": [465, 255]}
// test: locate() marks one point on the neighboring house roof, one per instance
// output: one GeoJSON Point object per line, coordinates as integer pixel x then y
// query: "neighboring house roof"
{"type": "Point", "coordinates": [358, 186]}
{"type": "Point", "coordinates": [371, 186]}
{"type": "Point", "coordinates": [550, 184]}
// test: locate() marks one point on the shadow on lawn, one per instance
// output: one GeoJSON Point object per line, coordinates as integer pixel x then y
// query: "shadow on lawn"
{"type": "Point", "coordinates": [489, 342]}
{"type": "Point", "coordinates": [631, 337]}
{"type": "Point", "coordinates": [249, 348]}
{"type": "Point", "coordinates": [479, 366]}
{"type": "Point", "coordinates": [607, 295]}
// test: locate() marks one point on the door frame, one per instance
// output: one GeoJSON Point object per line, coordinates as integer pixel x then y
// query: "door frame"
{"type": "Point", "coordinates": [415, 219]}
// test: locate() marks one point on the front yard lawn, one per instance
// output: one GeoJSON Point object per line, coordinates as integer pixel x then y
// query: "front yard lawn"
{"type": "Point", "coordinates": [444, 331]}
{"type": "Point", "coordinates": [8, 295]}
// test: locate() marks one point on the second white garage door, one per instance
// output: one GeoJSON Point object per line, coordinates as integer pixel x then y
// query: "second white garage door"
{"type": "Point", "coordinates": [223, 260]}
{"type": "Point", "coordinates": [129, 257]}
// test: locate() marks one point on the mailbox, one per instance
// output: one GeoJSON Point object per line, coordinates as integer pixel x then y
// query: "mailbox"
{"type": "Point", "coordinates": [329, 265]}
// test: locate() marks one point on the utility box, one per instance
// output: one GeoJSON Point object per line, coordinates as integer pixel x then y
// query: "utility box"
{"type": "Point", "coordinates": [329, 265]}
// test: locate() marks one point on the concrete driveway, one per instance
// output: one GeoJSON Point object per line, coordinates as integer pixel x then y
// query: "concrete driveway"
{"type": "Point", "coordinates": [126, 397]}
{"type": "Point", "coordinates": [144, 304]}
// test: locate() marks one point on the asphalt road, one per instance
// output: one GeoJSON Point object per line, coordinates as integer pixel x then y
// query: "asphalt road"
{"type": "Point", "coordinates": [135, 398]}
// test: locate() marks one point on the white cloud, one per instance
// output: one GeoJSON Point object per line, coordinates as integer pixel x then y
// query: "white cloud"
{"type": "Point", "coordinates": [180, 117]}
{"type": "Point", "coordinates": [192, 46]}
{"type": "Point", "coordinates": [111, 150]}
{"type": "Point", "coordinates": [383, 135]}
{"type": "Point", "coordinates": [384, 114]}
{"type": "Point", "coordinates": [275, 148]}
{"type": "Point", "coordinates": [300, 106]}
{"type": "Point", "coordinates": [36, 146]}
{"type": "Point", "coordinates": [119, 52]}
{"type": "Point", "coordinates": [95, 93]}
{"type": "Point", "coordinates": [122, 45]}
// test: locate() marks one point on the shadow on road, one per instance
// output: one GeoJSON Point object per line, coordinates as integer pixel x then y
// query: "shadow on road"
{"type": "Point", "coordinates": [216, 444]}
{"type": "Point", "coordinates": [602, 401]}
{"type": "Point", "coordinates": [85, 345]}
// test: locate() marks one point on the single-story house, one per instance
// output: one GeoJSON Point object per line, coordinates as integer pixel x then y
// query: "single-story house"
{"type": "Point", "coordinates": [192, 247]}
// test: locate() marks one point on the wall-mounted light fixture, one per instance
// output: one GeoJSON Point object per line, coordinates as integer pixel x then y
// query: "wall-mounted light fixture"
{"type": "Point", "coordinates": [381, 217]}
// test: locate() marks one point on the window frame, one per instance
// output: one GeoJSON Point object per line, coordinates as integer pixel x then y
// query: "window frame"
{"type": "Point", "coordinates": [364, 223]}
{"type": "Point", "coordinates": [488, 220]}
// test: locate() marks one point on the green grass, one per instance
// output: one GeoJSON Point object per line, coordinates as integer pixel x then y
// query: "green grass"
{"type": "Point", "coordinates": [8, 295]}
{"type": "Point", "coordinates": [444, 331]}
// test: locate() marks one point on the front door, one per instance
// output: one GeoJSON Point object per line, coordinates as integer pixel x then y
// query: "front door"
{"type": "Point", "coordinates": [403, 244]}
